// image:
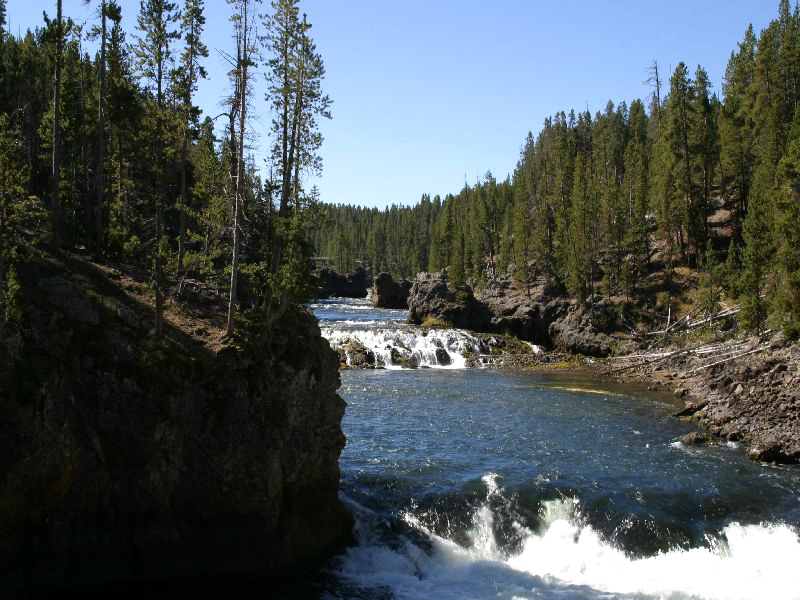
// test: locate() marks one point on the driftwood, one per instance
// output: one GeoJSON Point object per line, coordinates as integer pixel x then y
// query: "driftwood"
{"type": "Point", "coordinates": [719, 362]}
{"type": "Point", "coordinates": [659, 359]}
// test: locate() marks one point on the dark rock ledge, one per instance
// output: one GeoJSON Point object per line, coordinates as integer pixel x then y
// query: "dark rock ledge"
{"type": "Point", "coordinates": [129, 462]}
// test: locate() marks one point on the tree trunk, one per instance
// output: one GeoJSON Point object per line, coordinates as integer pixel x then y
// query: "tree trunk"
{"type": "Point", "coordinates": [101, 141]}
{"type": "Point", "coordinates": [243, 59]}
{"type": "Point", "coordinates": [57, 132]}
{"type": "Point", "coordinates": [184, 152]}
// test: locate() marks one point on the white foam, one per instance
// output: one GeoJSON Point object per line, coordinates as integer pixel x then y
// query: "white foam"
{"type": "Point", "coordinates": [534, 348]}
{"type": "Point", "coordinates": [418, 345]}
{"type": "Point", "coordinates": [569, 559]}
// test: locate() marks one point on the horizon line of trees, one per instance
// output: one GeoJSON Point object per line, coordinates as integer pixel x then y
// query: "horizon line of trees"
{"type": "Point", "coordinates": [108, 152]}
{"type": "Point", "coordinates": [598, 203]}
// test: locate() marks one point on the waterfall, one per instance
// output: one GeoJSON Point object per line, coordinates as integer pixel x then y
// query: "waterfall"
{"type": "Point", "coordinates": [411, 347]}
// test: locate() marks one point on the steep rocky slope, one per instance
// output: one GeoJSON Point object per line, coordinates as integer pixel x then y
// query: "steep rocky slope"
{"type": "Point", "coordinates": [129, 460]}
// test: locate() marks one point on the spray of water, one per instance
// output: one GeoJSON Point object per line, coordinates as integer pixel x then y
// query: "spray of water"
{"type": "Point", "coordinates": [566, 558]}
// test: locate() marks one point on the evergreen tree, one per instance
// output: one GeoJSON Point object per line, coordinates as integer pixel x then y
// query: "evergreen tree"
{"type": "Point", "coordinates": [154, 51]}
{"type": "Point", "coordinates": [189, 73]}
{"type": "Point", "coordinates": [756, 255]}
{"type": "Point", "coordinates": [788, 233]}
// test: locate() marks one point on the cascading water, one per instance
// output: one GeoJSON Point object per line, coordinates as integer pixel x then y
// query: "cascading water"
{"type": "Point", "coordinates": [353, 325]}
{"type": "Point", "coordinates": [411, 347]}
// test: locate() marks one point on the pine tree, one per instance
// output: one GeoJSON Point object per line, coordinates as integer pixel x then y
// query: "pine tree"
{"type": "Point", "coordinates": [59, 35]}
{"type": "Point", "coordinates": [239, 102]}
{"type": "Point", "coordinates": [14, 211]}
{"type": "Point", "coordinates": [456, 274]}
{"type": "Point", "coordinates": [153, 50]}
{"type": "Point", "coordinates": [736, 128]}
{"type": "Point", "coordinates": [294, 82]}
{"type": "Point", "coordinates": [788, 233]}
{"type": "Point", "coordinates": [635, 191]}
{"type": "Point", "coordinates": [756, 255]}
{"type": "Point", "coordinates": [189, 73]}
{"type": "Point", "coordinates": [703, 148]}
{"type": "Point", "coordinates": [709, 296]}
{"type": "Point", "coordinates": [679, 114]}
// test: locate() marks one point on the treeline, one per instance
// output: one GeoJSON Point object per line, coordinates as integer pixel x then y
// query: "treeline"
{"type": "Point", "coordinates": [598, 203]}
{"type": "Point", "coordinates": [107, 152]}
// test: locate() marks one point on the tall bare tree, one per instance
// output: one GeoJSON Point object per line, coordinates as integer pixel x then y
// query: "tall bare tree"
{"type": "Point", "coordinates": [246, 53]}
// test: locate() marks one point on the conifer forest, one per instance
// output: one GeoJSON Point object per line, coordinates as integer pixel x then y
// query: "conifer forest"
{"type": "Point", "coordinates": [613, 203]}
{"type": "Point", "coordinates": [106, 152]}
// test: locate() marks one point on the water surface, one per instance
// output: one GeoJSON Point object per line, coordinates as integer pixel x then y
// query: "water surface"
{"type": "Point", "coordinates": [481, 483]}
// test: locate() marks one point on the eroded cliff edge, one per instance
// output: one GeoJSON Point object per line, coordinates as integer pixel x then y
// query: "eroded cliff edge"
{"type": "Point", "coordinates": [125, 459]}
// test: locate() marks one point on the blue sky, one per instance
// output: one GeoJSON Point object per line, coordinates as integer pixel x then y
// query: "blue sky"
{"type": "Point", "coordinates": [430, 92]}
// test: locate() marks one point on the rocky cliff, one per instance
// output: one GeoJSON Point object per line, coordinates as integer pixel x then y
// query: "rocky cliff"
{"type": "Point", "coordinates": [128, 460]}
{"type": "Point", "coordinates": [387, 293]}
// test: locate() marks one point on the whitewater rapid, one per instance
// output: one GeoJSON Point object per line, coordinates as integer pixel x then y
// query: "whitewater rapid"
{"type": "Point", "coordinates": [431, 348]}
{"type": "Point", "coordinates": [565, 558]}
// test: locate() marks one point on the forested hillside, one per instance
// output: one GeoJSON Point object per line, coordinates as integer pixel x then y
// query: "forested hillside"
{"type": "Point", "coordinates": [106, 152]}
{"type": "Point", "coordinates": [600, 202]}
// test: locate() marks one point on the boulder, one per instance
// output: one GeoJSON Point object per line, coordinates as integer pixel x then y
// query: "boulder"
{"type": "Point", "coordinates": [443, 357]}
{"type": "Point", "coordinates": [697, 438]}
{"type": "Point", "coordinates": [358, 356]}
{"type": "Point", "coordinates": [386, 293]}
{"type": "Point", "coordinates": [129, 317]}
{"type": "Point", "coordinates": [770, 450]}
{"type": "Point", "coordinates": [401, 360]}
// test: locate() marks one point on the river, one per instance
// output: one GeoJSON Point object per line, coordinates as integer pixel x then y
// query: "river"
{"type": "Point", "coordinates": [486, 483]}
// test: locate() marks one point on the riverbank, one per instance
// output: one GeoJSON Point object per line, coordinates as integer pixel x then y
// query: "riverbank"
{"type": "Point", "coordinates": [738, 390]}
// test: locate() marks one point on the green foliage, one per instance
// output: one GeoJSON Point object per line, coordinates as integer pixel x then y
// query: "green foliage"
{"type": "Point", "coordinates": [787, 231]}
{"type": "Point", "coordinates": [757, 253]}
{"type": "Point", "coordinates": [710, 283]}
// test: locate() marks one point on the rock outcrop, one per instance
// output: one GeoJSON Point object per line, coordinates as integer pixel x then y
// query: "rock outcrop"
{"type": "Point", "coordinates": [431, 301]}
{"type": "Point", "coordinates": [126, 460]}
{"type": "Point", "coordinates": [386, 293]}
{"type": "Point", "coordinates": [540, 315]}
{"type": "Point", "coordinates": [336, 285]}
{"type": "Point", "coordinates": [527, 317]}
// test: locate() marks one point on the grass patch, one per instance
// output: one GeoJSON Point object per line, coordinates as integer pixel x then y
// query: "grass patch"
{"type": "Point", "coordinates": [436, 322]}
